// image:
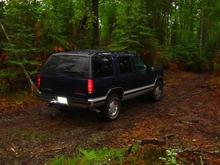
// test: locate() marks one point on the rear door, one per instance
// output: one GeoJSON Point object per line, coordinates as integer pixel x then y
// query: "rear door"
{"type": "Point", "coordinates": [126, 73]}
{"type": "Point", "coordinates": [66, 75]}
{"type": "Point", "coordinates": [143, 75]}
{"type": "Point", "coordinates": [103, 74]}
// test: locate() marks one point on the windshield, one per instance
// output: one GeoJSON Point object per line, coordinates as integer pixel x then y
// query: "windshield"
{"type": "Point", "coordinates": [78, 66]}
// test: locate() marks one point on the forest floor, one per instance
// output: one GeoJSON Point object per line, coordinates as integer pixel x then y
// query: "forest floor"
{"type": "Point", "coordinates": [189, 116]}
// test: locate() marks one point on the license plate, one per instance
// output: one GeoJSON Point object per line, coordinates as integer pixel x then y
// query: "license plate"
{"type": "Point", "coordinates": [62, 100]}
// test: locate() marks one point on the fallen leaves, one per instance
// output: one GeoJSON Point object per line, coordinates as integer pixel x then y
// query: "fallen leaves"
{"type": "Point", "coordinates": [12, 104]}
{"type": "Point", "coordinates": [187, 118]}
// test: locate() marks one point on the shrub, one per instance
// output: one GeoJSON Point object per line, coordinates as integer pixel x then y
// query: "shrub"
{"type": "Point", "coordinates": [189, 55]}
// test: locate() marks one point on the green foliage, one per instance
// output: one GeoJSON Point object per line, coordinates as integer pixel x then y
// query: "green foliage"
{"type": "Point", "coordinates": [11, 80]}
{"type": "Point", "coordinates": [162, 31]}
{"type": "Point", "coordinates": [7, 74]}
{"type": "Point", "coordinates": [41, 26]}
{"type": "Point", "coordinates": [135, 148]}
{"type": "Point", "coordinates": [52, 26]}
{"type": "Point", "coordinates": [5, 77]}
{"type": "Point", "coordinates": [19, 18]}
{"type": "Point", "coordinates": [187, 54]}
{"type": "Point", "coordinates": [132, 31]}
{"type": "Point", "coordinates": [108, 20]}
{"type": "Point", "coordinates": [133, 155]}
{"type": "Point", "coordinates": [170, 158]}
{"type": "Point", "coordinates": [101, 156]}
{"type": "Point", "coordinates": [2, 4]}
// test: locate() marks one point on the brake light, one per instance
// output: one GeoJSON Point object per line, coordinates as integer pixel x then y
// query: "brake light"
{"type": "Point", "coordinates": [90, 86]}
{"type": "Point", "coordinates": [38, 80]}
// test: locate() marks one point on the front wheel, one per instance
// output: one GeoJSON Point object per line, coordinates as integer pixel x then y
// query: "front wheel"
{"type": "Point", "coordinates": [157, 93]}
{"type": "Point", "coordinates": [112, 107]}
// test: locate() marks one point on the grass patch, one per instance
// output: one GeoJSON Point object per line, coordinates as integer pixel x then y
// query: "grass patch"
{"type": "Point", "coordinates": [100, 156]}
{"type": "Point", "coordinates": [32, 136]}
{"type": "Point", "coordinates": [16, 97]}
{"type": "Point", "coordinates": [107, 156]}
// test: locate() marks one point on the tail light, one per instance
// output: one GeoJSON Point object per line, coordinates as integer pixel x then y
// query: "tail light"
{"type": "Point", "coordinates": [38, 80]}
{"type": "Point", "coordinates": [90, 86]}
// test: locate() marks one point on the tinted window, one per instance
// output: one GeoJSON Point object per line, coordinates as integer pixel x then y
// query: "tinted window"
{"type": "Point", "coordinates": [77, 66]}
{"type": "Point", "coordinates": [124, 64]}
{"type": "Point", "coordinates": [102, 66]}
{"type": "Point", "coordinates": [139, 64]}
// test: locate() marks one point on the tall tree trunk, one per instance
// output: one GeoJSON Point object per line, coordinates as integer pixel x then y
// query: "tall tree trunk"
{"type": "Point", "coordinates": [95, 10]}
{"type": "Point", "coordinates": [174, 24]}
{"type": "Point", "coordinates": [201, 37]}
{"type": "Point", "coordinates": [192, 4]}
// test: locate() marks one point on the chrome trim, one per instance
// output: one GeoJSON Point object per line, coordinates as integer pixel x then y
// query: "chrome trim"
{"type": "Point", "coordinates": [70, 54]}
{"type": "Point", "coordinates": [138, 89]}
{"type": "Point", "coordinates": [114, 89]}
{"type": "Point", "coordinates": [53, 101]}
{"type": "Point", "coordinates": [139, 93]}
{"type": "Point", "coordinates": [104, 97]}
{"type": "Point", "coordinates": [97, 99]}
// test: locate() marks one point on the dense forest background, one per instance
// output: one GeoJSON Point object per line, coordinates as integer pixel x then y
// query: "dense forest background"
{"type": "Point", "coordinates": [184, 32]}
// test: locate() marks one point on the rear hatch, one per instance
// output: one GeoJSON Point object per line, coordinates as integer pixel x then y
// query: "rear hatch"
{"type": "Point", "coordinates": [65, 75]}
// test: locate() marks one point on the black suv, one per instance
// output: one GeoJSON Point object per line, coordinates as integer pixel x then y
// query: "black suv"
{"type": "Point", "coordinates": [97, 80]}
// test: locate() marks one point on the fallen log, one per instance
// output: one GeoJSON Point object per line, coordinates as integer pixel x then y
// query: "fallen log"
{"type": "Point", "coordinates": [158, 142]}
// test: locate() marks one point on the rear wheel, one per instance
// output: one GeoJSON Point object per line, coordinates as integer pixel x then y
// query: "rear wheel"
{"type": "Point", "coordinates": [112, 107]}
{"type": "Point", "coordinates": [157, 93]}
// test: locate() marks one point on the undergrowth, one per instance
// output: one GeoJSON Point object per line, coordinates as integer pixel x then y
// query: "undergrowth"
{"type": "Point", "coordinates": [106, 156]}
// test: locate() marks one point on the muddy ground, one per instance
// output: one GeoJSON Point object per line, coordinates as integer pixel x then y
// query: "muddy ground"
{"type": "Point", "coordinates": [33, 133]}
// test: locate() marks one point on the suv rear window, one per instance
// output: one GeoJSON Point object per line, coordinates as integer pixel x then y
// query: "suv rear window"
{"type": "Point", "coordinates": [70, 64]}
{"type": "Point", "coordinates": [102, 66]}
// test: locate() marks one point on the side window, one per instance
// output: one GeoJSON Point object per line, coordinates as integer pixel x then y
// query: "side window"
{"type": "Point", "coordinates": [102, 66]}
{"type": "Point", "coordinates": [125, 65]}
{"type": "Point", "coordinates": [139, 64]}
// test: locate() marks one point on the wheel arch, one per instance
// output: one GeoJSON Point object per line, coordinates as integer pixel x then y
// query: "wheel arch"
{"type": "Point", "coordinates": [117, 90]}
{"type": "Point", "coordinates": [159, 79]}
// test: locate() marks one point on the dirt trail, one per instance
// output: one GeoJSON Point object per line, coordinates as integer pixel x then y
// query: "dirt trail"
{"type": "Point", "coordinates": [189, 111]}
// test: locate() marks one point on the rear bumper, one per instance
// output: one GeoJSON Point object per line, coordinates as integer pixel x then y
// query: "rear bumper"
{"type": "Point", "coordinates": [72, 102]}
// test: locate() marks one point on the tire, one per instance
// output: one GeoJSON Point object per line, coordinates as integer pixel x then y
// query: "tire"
{"type": "Point", "coordinates": [112, 107]}
{"type": "Point", "coordinates": [157, 93]}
